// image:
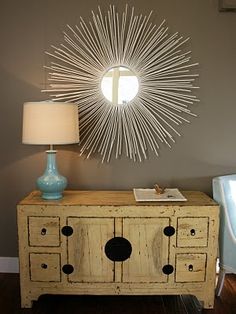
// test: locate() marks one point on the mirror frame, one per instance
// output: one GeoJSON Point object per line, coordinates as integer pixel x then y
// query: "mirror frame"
{"type": "Point", "coordinates": [164, 72]}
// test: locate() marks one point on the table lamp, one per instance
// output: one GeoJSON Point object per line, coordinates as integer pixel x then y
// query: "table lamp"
{"type": "Point", "coordinates": [53, 123]}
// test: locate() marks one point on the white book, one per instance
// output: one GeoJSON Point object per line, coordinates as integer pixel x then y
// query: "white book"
{"type": "Point", "coordinates": [150, 195]}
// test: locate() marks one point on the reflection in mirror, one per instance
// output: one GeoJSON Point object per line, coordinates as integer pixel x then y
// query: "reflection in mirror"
{"type": "Point", "coordinates": [119, 85]}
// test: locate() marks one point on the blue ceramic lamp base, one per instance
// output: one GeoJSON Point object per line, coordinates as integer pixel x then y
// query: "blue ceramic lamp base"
{"type": "Point", "coordinates": [51, 183]}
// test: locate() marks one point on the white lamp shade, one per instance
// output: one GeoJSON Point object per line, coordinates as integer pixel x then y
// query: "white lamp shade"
{"type": "Point", "coordinates": [50, 123]}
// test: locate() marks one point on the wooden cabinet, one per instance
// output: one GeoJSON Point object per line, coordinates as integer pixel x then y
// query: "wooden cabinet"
{"type": "Point", "coordinates": [103, 242]}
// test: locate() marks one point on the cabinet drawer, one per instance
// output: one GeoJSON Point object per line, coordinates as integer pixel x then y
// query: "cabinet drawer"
{"type": "Point", "coordinates": [45, 267]}
{"type": "Point", "coordinates": [190, 267]}
{"type": "Point", "coordinates": [44, 231]}
{"type": "Point", "coordinates": [192, 232]}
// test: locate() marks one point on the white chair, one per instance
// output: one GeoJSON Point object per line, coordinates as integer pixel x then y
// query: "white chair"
{"type": "Point", "coordinates": [224, 193]}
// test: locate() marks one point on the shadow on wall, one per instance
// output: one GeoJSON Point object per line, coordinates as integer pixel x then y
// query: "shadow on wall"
{"type": "Point", "coordinates": [14, 93]}
{"type": "Point", "coordinates": [123, 174]}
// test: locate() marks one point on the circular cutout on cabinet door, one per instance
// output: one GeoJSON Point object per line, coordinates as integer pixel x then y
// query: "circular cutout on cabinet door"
{"type": "Point", "coordinates": [118, 249]}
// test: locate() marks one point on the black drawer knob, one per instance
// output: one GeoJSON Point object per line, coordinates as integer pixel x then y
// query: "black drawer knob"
{"type": "Point", "coordinates": [190, 267]}
{"type": "Point", "coordinates": [43, 231]}
{"type": "Point", "coordinates": [168, 269]}
{"type": "Point", "coordinates": [68, 269]}
{"type": "Point", "coordinates": [192, 232]}
{"type": "Point", "coordinates": [169, 231]}
{"type": "Point", "coordinates": [67, 231]}
{"type": "Point", "coordinates": [44, 266]}
{"type": "Point", "coordinates": [118, 249]}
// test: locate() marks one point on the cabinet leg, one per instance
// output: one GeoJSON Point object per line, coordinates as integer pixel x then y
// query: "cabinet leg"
{"type": "Point", "coordinates": [207, 299]}
{"type": "Point", "coordinates": [26, 303]}
{"type": "Point", "coordinates": [27, 298]}
{"type": "Point", "coordinates": [208, 302]}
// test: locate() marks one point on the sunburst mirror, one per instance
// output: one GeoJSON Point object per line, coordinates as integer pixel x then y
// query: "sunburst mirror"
{"type": "Point", "coordinates": [131, 79]}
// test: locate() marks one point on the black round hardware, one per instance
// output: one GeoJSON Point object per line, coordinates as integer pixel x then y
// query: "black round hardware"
{"type": "Point", "coordinates": [43, 231]}
{"type": "Point", "coordinates": [44, 266]}
{"type": "Point", "coordinates": [169, 231]}
{"type": "Point", "coordinates": [168, 269]}
{"type": "Point", "coordinates": [190, 267]}
{"type": "Point", "coordinates": [67, 269]}
{"type": "Point", "coordinates": [67, 231]}
{"type": "Point", "coordinates": [118, 249]}
{"type": "Point", "coordinates": [192, 232]}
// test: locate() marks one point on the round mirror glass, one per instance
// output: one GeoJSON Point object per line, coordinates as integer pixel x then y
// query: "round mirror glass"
{"type": "Point", "coordinates": [119, 85]}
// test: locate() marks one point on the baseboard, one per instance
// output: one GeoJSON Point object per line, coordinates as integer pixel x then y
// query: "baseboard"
{"type": "Point", "coordinates": [9, 265]}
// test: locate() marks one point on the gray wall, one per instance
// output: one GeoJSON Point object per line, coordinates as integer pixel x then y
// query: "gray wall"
{"type": "Point", "coordinates": [206, 149]}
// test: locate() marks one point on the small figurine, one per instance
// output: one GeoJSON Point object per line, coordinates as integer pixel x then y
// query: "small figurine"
{"type": "Point", "coordinates": [159, 190]}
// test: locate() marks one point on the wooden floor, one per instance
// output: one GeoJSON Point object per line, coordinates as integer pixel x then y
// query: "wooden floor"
{"type": "Point", "coordinates": [10, 302]}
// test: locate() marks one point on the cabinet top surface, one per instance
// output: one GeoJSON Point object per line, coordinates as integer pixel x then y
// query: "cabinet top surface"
{"type": "Point", "coordinates": [125, 198]}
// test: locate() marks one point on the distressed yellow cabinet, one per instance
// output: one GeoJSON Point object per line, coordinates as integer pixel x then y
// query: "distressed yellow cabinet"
{"type": "Point", "coordinates": [103, 242]}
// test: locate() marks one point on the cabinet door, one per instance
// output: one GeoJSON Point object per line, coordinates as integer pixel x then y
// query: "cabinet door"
{"type": "Point", "coordinates": [150, 249]}
{"type": "Point", "coordinates": [86, 249]}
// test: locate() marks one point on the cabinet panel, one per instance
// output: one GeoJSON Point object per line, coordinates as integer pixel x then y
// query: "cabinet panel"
{"type": "Point", "coordinates": [150, 249]}
{"type": "Point", "coordinates": [192, 231]}
{"type": "Point", "coordinates": [86, 249]}
{"type": "Point", "coordinates": [190, 267]}
{"type": "Point", "coordinates": [44, 231]}
{"type": "Point", "coordinates": [45, 267]}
